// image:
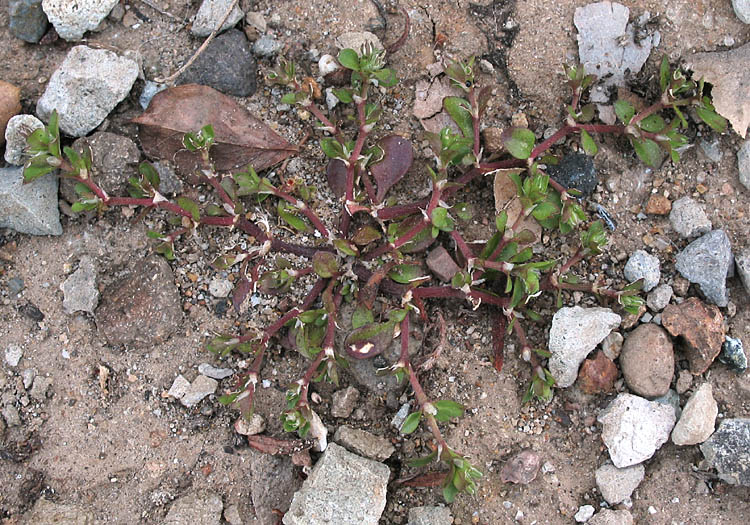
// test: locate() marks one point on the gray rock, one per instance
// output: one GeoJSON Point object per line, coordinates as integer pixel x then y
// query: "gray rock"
{"type": "Point", "coordinates": [742, 10]}
{"type": "Point", "coordinates": [256, 21]}
{"type": "Point", "coordinates": [273, 483]}
{"type": "Point", "coordinates": [743, 268]}
{"type": "Point", "coordinates": [577, 171]}
{"type": "Point", "coordinates": [226, 65]}
{"type": "Point", "coordinates": [357, 39]}
{"type": "Point", "coordinates": [711, 149]}
{"type": "Point", "coordinates": [706, 262]}
{"type": "Point", "coordinates": [47, 512]}
{"type": "Point", "coordinates": [343, 488]}
{"type": "Point", "coordinates": [617, 484]}
{"type": "Point", "coordinates": [210, 13]}
{"type": "Point", "coordinates": [200, 388]}
{"type": "Point", "coordinates": [401, 415]}
{"type": "Point", "coordinates": [27, 20]}
{"type": "Point", "coordinates": [86, 87]}
{"type": "Point", "coordinates": [728, 451]}
{"type": "Point", "coordinates": [13, 355]}
{"type": "Point", "coordinates": [430, 516]}
{"type": "Point", "coordinates": [150, 89]}
{"type": "Point", "coordinates": [642, 265]}
{"type": "Point", "coordinates": [40, 388]}
{"type": "Point", "coordinates": [29, 208]}
{"type": "Point", "coordinates": [200, 507]}
{"type": "Point", "coordinates": [179, 387]}
{"type": "Point", "coordinates": [79, 290]}
{"type": "Point", "coordinates": [671, 399]}
{"type": "Point", "coordinates": [743, 155]}
{"type": "Point", "coordinates": [266, 46]}
{"type": "Point", "coordinates": [606, 43]}
{"type": "Point", "coordinates": [213, 372]}
{"type": "Point", "coordinates": [255, 425]}
{"type": "Point", "coordinates": [169, 182]}
{"type": "Point", "coordinates": [647, 361]}
{"type": "Point", "coordinates": [11, 416]}
{"type": "Point", "coordinates": [575, 332]}
{"type": "Point", "coordinates": [28, 375]}
{"type": "Point", "coordinates": [232, 515]}
{"type": "Point", "coordinates": [733, 354]}
{"type": "Point", "coordinates": [344, 401]}
{"type": "Point", "coordinates": [633, 428]}
{"type": "Point", "coordinates": [688, 218]}
{"type": "Point", "coordinates": [659, 297]}
{"type": "Point", "coordinates": [220, 287]}
{"type": "Point", "coordinates": [363, 443]}
{"type": "Point", "coordinates": [18, 129]}
{"type": "Point", "coordinates": [698, 417]}
{"type": "Point", "coordinates": [585, 512]}
{"type": "Point", "coordinates": [612, 517]}
{"type": "Point", "coordinates": [15, 285]}
{"type": "Point", "coordinates": [73, 19]}
{"type": "Point", "coordinates": [612, 345]}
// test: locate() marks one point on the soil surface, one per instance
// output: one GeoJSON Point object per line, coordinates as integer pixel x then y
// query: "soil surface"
{"type": "Point", "coordinates": [107, 438]}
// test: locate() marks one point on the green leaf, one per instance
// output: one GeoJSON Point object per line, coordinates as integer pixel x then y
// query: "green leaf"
{"type": "Point", "coordinates": [449, 492]}
{"type": "Point", "coordinates": [501, 221]}
{"type": "Point", "coordinates": [289, 98]}
{"type": "Point", "coordinates": [710, 117]}
{"type": "Point", "coordinates": [150, 174]}
{"type": "Point", "coordinates": [522, 256]}
{"type": "Point", "coordinates": [441, 220]}
{"type": "Point", "coordinates": [53, 132]}
{"type": "Point", "coordinates": [349, 59]}
{"type": "Point", "coordinates": [189, 206]}
{"type": "Point", "coordinates": [290, 218]}
{"type": "Point", "coordinates": [648, 151]}
{"type": "Point", "coordinates": [545, 210]}
{"type": "Point", "coordinates": [332, 148]}
{"type": "Point", "coordinates": [33, 172]}
{"type": "Point", "coordinates": [458, 109]}
{"type": "Point", "coordinates": [361, 317]}
{"type": "Point", "coordinates": [463, 210]}
{"type": "Point", "coordinates": [589, 146]}
{"type": "Point", "coordinates": [386, 77]}
{"type": "Point", "coordinates": [325, 264]}
{"type": "Point", "coordinates": [519, 142]}
{"type": "Point", "coordinates": [406, 273]}
{"type": "Point", "coordinates": [624, 110]}
{"type": "Point", "coordinates": [652, 124]}
{"type": "Point", "coordinates": [664, 73]}
{"type": "Point", "coordinates": [447, 410]}
{"type": "Point", "coordinates": [346, 247]}
{"type": "Point", "coordinates": [344, 95]}
{"type": "Point", "coordinates": [411, 422]}
{"type": "Point", "coordinates": [421, 462]}
{"type": "Point", "coordinates": [365, 235]}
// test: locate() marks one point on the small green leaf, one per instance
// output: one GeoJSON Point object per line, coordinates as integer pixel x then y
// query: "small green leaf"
{"type": "Point", "coordinates": [349, 59]}
{"type": "Point", "coordinates": [652, 124]}
{"type": "Point", "coordinates": [346, 247]}
{"type": "Point", "coordinates": [519, 142]}
{"type": "Point", "coordinates": [545, 210]}
{"type": "Point", "coordinates": [344, 95]}
{"type": "Point", "coordinates": [423, 461]}
{"type": "Point", "coordinates": [664, 73]}
{"type": "Point", "coordinates": [361, 317]}
{"type": "Point", "coordinates": [464, 211]}
{"type": "Point", "coordinates": [501, 220]}
{"type": "Point", "coordinates": [449, 492]}
{"type": "Point", "coordinates": [624, 110]}
{"type": "Point", "coordinates": [411, 423]}
{"type": "Point", "coordinates": [648, 151]}
{"type": "Point", "coordinates": [441, 220]}
{"type": "Point", "coordinates": [447, 410]}
{"type": "Point", "coordinates": [386, 77]}
{"type": "Point", "coordinates": [325, 264]}
{"type": "Point", "coordinates": [332, 148]}
{"type": "Point", "coordinates": [589, 146]}
{"type": "Point", "coordinates": [289, 98]}
{"type": "Point", "coordinates": [290, 218]}
{"type": "Point", "coordinates": [406, 273]}
{"type": "Point", "coordinates": [458, 109]}
{"type": "Point", "coordinates": [189, 206]}
{"type": "Point", "coordinates": [150, 174]}
{"type": "Point", "coordinates": [33, 171]}
{"type": "Point", "coordinates": [710, 117]}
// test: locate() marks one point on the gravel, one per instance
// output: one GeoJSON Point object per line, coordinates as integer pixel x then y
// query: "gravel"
{"type": "Point", "coordinates": [706, 262]}
{"type": "Point", "coordinates": [210, 13]}
{"type": "Point", "coordinates": [688, 218]}
{"type": "Point", "coordinates": [73, 19]}
{"type": "Point", "coordinates": [642, 265]}
{"type": "Point", "coordinates": [27, 20]}
{"type": "Point", "coordinates": [617, 484]}
{"type": "Point", "coordinates": [698, 417]}
{"type": "Point", "coordinates": [726, 450]}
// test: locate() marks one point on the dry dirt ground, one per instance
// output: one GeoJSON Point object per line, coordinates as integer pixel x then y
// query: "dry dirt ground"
{"type": "Point", "coordinates": [120, 448]}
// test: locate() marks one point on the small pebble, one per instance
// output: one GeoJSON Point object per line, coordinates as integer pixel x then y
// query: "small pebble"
{"type": "Point", "coordinates": [584, 513]}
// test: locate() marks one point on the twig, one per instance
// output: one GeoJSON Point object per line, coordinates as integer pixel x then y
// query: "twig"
{"type": "Point", "coordinates": [200, 50]}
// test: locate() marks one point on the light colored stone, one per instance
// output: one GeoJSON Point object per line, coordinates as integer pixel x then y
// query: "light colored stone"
{"type": "Point", "coordinates": [200, 388]}
{"type": "Point", "coordinates": [80, 293]}
{"type": "Point", "coordinates": [585, 512]}
{"type": "Point", "coordinates": [659, 297]}
{"type": "Point", "coordinates": [73, 19]}
{"type": "Point", "coordinates": [688, 218]}
{"type": "Point", "coordinates": [86, 87]}
{"type": "Point", "coordinates": [633, 428]}
{"type": "Point", "coordinates": [742, 262]}
{"type": "Point", "coordinates": [706, 262]}
{"type": "Point", "coordinates": [743, 158]}
{"type": "Point", "coordinates": [13, 355]}
{"type": "Point", "coordinates": [617, 484]}
{"type": "Point", "coordinates": [742, 10]}
{"type": "Point", "coordinates": [357, 39]}
{"type": "Point", "coordinates": [29, 208]}
{"type": "Point", "coordinates": [179, 387]}
{"type": "Point", "coordinates": [430, 516]}
{"type": "Point", "coordinates": [18, 129]}
{"type": "Point", "coordinates": [363, 443]}
{"type": "Point", "coordinates": [200, 507]}
{"type": "Point", "coordinates": [612, 517]}
{"type": "Point", "coordinates": [40, 388]}
{"type": "Point", "coordinates": [210, 13]}
{"type": "Point", "coordinates": [642, 265]}
{"type": "Point", "coordinates": [46, 512]}
{"type": "Point", "coordinates": [256, 425]}
{"type": "Point", "coordinates": [612, 345]}
{"type": "Point", "coordinates": [575, 332]}
{"type": "Point", "coordinates": [213, 372]}
{"type": "Point", "coordinates": [344, 401]}
{"type": "Point", "coordinates": [219, 287]}
{"type": "Point", "coordinates": [698, 418]}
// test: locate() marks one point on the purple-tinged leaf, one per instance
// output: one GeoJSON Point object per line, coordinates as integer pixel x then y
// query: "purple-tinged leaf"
{"type": "Point", "coordinates": [398, 156]}
{"type": "Point", "coordinates": [241, 289]}
{"type": "Point", "coordinates": [369, 340]}
{"type": "Point", "coordinates": [336, 175]}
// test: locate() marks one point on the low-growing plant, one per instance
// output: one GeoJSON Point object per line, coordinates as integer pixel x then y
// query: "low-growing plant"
{"type": "Point", "coordinates": [372, 255]}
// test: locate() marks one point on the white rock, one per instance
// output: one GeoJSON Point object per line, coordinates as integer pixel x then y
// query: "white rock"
{"type": "Point", "coordinates": [179, 387]}
{"type": "Point", "coordinates": [643, 265]}
{"type": "Point", "coordinates": [659, 297]}
{"type": "Point", "coordinates": [688, 218]}
{"type": "Point", "coordinates": [19, 127]}
{"type": "Point", "coordinates": [80, 293]}
{"type": "Point", "coordinates": [743, 154]}
{"type": "Point", "coordinates": [575, 332]}
{"type": "Point", "coordinates": [698, 418]}
{"type": "Point", "coordinates": [617, 484]}
{"type": "Point", "coordinates": [210, 13]}
{"type": "Point", "coordinates": [219, 287]}
{"type": "Point", "coordinates": [13, 355]}
{"type": "Point", "coordinates": [742, 10]}
{"type": "Point", "coordinates": [73, 18]}
{"type": "Point", "coordinates": [584, 513]}
{"type": "Point", "coordinates": [612, 517]}
{"type": "Point", "coordinates": [327, 64]}
{"type": "Point", "coordinates": [200, 388]}
{"type": "Point", "coordinates": [213, 372]}
{"type": "Point", "coordinates": [633, 428]}
{"type": "Point", "coordinates": [255, 425]}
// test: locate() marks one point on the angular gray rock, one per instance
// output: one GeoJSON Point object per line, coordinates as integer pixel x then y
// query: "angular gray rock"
{"type": "Point", "coordinates": [742, 10]}
{"type": "Point", "coordinates": [40, 388]}
{"type": "Point", "coordinates": [201, 507]}
{"type": "Point", "coordinates": [698, 417]}
{"type": "Point", "coordinates": [705, 262]}
{"type": "Point", "coordinates": [200, 388]}
{"type": "Point", "coordinates": [344, 402]}
{"type": "Point", "coordinates": [742, 262]}
{"type": "Point", "coordinates": [343, 488]}
{"type": "Point", "coordinates": [612, 345]}
{"type": "Point", "coordinates": [80, 293]}
{"type": "Point", "coordinates": [430, 516]}
{"type": "Point", "coordinates": [19, 127]}
{"type": "Point", "coordinates": [743, 154]}
{"type": "Point", "coordinates": [728, 451]}
{"type": "Point", "coordinates": [688, 218]}
{"type": "Point", "coordinates": [642, 265]}
{"type": "Point", "coordinates": [272, 485]}
{"type": "Point", "coordinates": [617, 484]}
{"type": "Point", "coordinates": [73, 19]}
{"type": "Point", "coordinates": [659, 297]}
{"type": "Point", "coordinates": [27, 20]}
{"type": "Point", "coordinates": [363, 443]}
{"type": "Point", "coordinates": [210, 13]}
{"type": "Point", "coordinates": [29, 208]}
{"type": "Point", "coordinates": [179, 387]}
{"type": "Point", "coordinates": [86, 87]}
{"type": "Point", "coordinates": [575, 332]}
{"type": "Point", "coordinates": [634, 428]}
{"type": "Point", "coordinates": [213, 372]}
{"type": "Point", "coordinates": [612, 517]}
{"type": "Point", "coordinates": [266, 46]}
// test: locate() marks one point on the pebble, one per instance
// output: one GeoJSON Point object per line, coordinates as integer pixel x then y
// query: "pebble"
{"type": "Point", "coordinates": [684, 381]}
{"type": "Point", "coordinates": [344, 401]}
{"type": "Point", "coordinates": [617, 484]}
{"type": "Point", "coordinates": [219, 287]}
{"type": "Point", "coordinates": [671, 399]}
{"type": "Point", "coordinates": [430, 516]}
{"type": "Point", "coordinates": [706, 262]}
{"type": "Point", "coordinates": [169, 182]}
{"type": "Point", "coordinates": [585, 512]}
{"type": "Point", "coordinates": [633, 428]}
{"type": "Point", "coordinates": [210, 13]}
{"type": "Point", "coordinates": [86, 87]}
{"type": "Point", "coordinates": [726, 451]}
{"type": "Point", "coordinates": [150, 88]}
{"type": "Point", "coordinates": [11, 416]}
{"type": "Point", "coordinates": [659, 297]}
{"type": "Point", "coordinates": [73, 19]}
{"type": "Point", "coordinates": [27, 20]}
{"type": "Point", "coordinates": [255, 425]}
{"type": "Point", "coordinates": [400, 416]}
{"type": "Point", "coordinates": [574, 333]}
{"type": "Point", "coordinates": [742, 10]}
{"type": "Point", "coordinates": [743, 154]}
{"type": "Point", "coordinates": [29, 208]}
{"type": "Point", "coordinates": [266, 46]}
{"type": "Point", "coordinates": [327, 64]}
{"type": "Point", "coordinates": [28, 376]}
{"type": "Point", "coordinates": [647, 361]}
{"type": "Point", "coordinates": [642, 265]}
{"type": "Point", "coordinates": [179, 387]}
{"type": "Point", "coordinates": [255, 24]}
{"type": "Point", "coordinates": [612, 345]}
{"type": "Point", "coordinates": [80, 293]}
{"type": "Point", "coordinates": [13, 355]}
{"type": "Point", "coordinates": [226, 65]}
{"type": "Point", "coordinates": [213, 372]}
{"type": "Point", "coordinates": [522, 468]}
{"type": "Point", "coordinates": [733, 354]}
{"type": "Point", "coordinates": [688, 218]}
{"type": "Point", "coordinates": [232, 515]}
{"type": "Point", "coordinates": [698, 417]}
{"type": "Point", "coordinates": [658, 205]}
{"type": "Point", "coordinates": [575, 170]}
{"type": "Point", "coordinates": [597, 375]}
{"type": "Point", "coordinates": [18, 129]}
{"type": "Point", "coordinates": [364, 443]}
{"type": "Point", "coordinates": [200, 388]}
{"type": "Point", "coordinates": [40, 387]}
{"type": "Point", "coordinates": [15, 285]}
{"type": "Point", "coordinates": [612, 517]}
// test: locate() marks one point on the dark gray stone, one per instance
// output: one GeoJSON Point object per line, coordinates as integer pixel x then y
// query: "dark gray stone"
{"type": "Point", "coordinates": [733, 354]}
{"type": "Point", "coordinates": [226, 65]}
{"type": "Point", "coordinates": [576, 170]}
{"type": "Point", "coordinates": [728, 451]}
{"type": "Point", "coordinates": [29, 208]}
{"type": "Point", "coordinates": [27, 20]}
{"type": "Point", "coordinates": [706, 262]}
{"type": "Point", "coordinates": [442, 264]}
{"type": "Point", "coordinates": [15, 285]}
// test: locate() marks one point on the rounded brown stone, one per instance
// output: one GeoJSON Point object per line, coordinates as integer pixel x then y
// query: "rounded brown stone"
{"type": "Point", "coordinates": [647, 361]}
